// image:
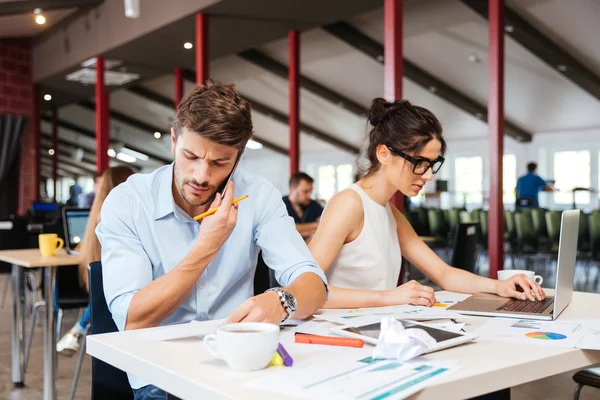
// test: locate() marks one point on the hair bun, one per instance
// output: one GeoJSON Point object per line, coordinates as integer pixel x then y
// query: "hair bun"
{"type": "Point", "coordinates": [381, 109]}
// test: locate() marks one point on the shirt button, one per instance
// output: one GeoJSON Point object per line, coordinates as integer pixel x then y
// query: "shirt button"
{"type": "Point", "coordinates": [202, 315]}
{"type": "Point", "coordinates": [201, 285]}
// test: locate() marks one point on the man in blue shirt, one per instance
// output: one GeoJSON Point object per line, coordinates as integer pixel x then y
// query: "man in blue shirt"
{"type": "Point", "coordinates": [300, 206]}
{"type": "Point", "coordinates": [161, 267]}
{"type": "Point", "coordinates": [529, 185]}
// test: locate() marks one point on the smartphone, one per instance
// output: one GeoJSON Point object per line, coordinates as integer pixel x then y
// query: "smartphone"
{"type": "Point", "coordinates": [223, 187]}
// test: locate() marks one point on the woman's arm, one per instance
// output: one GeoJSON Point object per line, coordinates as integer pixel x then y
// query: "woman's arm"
{"type": "Point", "coordinates": [454, 279]}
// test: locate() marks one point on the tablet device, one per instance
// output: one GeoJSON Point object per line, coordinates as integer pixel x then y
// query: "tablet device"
{"type": "Point", "coordinates": [370, 334]}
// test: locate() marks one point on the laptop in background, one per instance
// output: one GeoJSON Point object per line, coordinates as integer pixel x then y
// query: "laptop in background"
{"type": "Point", "coordinates": [548, 309]}
{"type": "Point", "coordinates": [74, 220]}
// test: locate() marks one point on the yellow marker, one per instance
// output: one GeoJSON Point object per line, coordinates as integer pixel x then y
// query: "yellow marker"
{"type": "Point", "coordinates": [440, 305]}
{"type": "Point", "coordinates": [214, 210]}
{"type": "Point", "coordinates": [277, 360]}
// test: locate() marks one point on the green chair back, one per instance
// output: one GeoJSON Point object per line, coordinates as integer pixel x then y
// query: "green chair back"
{"type": "Point", "coordinates": [594, 222]}
{"type": "Point", "coordinates": [526, 237]}
{"type": "Point", "coordinates": [553, 226]}
{"type": "Point", "coordinates": [438, 226]}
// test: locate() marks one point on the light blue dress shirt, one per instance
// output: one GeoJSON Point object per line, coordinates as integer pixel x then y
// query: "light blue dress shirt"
{"type": "Point", "coordinates": [144, 235]}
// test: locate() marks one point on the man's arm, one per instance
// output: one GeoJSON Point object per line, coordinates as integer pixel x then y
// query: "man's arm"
{"type": "Point", "coordinates": [135, 300]}
{"type": "Point", "coordinates": [285, 252]}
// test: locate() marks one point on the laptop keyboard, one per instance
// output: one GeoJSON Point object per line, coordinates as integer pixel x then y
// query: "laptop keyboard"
{"type": "Point", "coordinates": [526, 306]}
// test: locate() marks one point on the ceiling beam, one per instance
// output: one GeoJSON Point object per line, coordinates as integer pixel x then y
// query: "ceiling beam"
{"type": "Point", "coordinates": [67, 166]}
{"type": "Point", "coordinates": [165, 101]}
{"type": "Point", "coordinates": [126, 119]}
{"type": "Point", "coordinates": [27, 7]}
{"type": "Point", "coordinates": [284, 119]}
{"type": "Point", "coordinates": [544, 48]}
{"type": "Point", "coordinates": [275, 67]}
{"type": "Point", "coordinates": [88, 155]}
{"type": "Point", "coordinates": [355, 38]}
{"type": "Point", "coordinates": [90, 134]}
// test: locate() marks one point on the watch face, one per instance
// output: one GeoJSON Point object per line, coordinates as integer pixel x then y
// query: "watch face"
{"type": "Point", "coordinates": [290, 299]}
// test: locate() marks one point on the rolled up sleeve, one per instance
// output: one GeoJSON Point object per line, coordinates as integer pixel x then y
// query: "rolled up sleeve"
{"type": "Point", "coordinates": [126, 267]}
{"type": "Point", "coordinates": [283, 249]}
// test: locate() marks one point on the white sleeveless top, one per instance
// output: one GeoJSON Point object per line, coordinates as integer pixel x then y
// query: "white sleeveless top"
{"type": "Point", "coordinates": [372, 260]}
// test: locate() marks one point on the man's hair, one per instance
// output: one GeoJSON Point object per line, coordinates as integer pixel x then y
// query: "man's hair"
{"type": "Point", "coordinates": [216, 112]}
{"type": "Point", "coordinates": [300, 176]}
{"type": "Point", "coordinates": [531, 167]}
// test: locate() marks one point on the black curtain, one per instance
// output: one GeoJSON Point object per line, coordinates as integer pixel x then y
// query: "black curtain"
{"type": "Point", "coordinates": [11, 128]}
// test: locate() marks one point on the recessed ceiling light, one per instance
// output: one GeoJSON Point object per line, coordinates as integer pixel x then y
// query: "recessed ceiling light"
{"type": "Point", "coordinates": [39, 18]}
{"type": "Point", "coordinates": [561, 67]}
{"type": "Point", "coordinates": [432, 89]}
{"type": "Point", "coordinates": [47, 97]}
{"type": "Point", "coordinates": [188, 45]}
{"type": "Point", "coordinates": [380, 58]}
{"type": "Point", "coordinates": [509, 29]}
{"type": "Point", "coordinates": [474, 58]}
{"type": "Point", "coordinates": [254, 145]}
{"type": "Point", "coordinates": [51, 152]}
{"type": "Point", "coordinates": [157, 135]}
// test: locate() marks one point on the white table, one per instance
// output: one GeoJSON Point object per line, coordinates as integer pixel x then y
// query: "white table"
{"type": "Point", "coordinates": [32, 258]}
{"type": "Point", "coordinates": [185, 369]}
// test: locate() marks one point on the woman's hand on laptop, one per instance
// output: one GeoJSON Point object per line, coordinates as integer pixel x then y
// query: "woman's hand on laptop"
{"type": "Point", "coordinates": [510, 288]}
{"type": "Point", "coordinates": [410, 293]}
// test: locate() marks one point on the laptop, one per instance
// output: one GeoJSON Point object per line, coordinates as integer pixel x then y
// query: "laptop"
{"type": "Point", "coordinates": [547, 309]}
{"type": "Point", "coordinates": [74, 220]}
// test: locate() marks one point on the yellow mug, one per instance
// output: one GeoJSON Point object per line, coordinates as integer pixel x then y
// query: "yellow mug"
{"type": "Point", "coordinates": [50, 243]}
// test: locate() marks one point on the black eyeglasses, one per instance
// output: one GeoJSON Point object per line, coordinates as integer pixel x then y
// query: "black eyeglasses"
{"type": "Point", "coordinates": [420, 165]}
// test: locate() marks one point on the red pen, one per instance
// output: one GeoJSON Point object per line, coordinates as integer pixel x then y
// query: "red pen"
{"type": "Point", "coordinates": [328, 340]}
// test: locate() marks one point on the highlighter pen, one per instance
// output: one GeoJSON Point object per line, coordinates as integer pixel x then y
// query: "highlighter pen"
{"type": "Point", "coordinates": [440, 305]}
{"type": "Point", "coordinates": [328, 340]}
{"type": "Point", "coordinates": [214, 210]}
{"type": "Point", "coordinates": [276, 360]}
{"type": "Point", "coordinates": [287, 360]}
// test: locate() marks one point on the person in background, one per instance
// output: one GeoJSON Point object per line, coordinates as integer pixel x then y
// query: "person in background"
{"type": "Point", "coordinates": [362, 237]}
{"type": "Point", "coordinates": [74, 192]}
{"type": "Point", "coordinates": [89, 249]}
{"type": "Point", "coordinates": [86, 200]}
{"type": "Point", "coordinates": [530, 185]}
{"type": "Point", "coordinates": [300, 206]}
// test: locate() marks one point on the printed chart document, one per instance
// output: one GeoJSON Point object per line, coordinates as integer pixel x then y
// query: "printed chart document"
{"type": "Point", "coordinates": [364, 316]}
{"type": "Point", "coordinates": [328, 375]}
{"type": "Point", "coordinates": [531, 332]}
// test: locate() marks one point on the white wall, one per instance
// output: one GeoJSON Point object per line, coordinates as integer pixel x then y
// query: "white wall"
{"type": "Point", "coordinates": [540, 150]}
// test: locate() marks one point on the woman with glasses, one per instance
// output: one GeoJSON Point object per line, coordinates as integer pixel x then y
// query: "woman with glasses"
{"type": "Point", "coordinates": [362, 237]}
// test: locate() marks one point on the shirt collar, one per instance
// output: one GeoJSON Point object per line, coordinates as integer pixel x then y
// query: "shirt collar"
{"type": "Point", "coordinates": [166, 203]}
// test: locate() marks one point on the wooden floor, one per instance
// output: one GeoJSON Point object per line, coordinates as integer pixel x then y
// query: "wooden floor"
{"type": "Point", "coordinates": [558, 387]}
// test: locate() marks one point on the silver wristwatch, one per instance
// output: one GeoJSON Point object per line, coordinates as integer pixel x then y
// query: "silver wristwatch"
{"type": "Point", "coordinates": [288, 301]}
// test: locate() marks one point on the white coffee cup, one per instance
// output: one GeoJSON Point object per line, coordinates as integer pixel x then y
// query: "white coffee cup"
{"type": "Point", "coordinates": [245, 346]}
{"type": "Point", "coordinates": [507, 273]}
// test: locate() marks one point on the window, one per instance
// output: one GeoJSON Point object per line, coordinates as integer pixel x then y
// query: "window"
{"type": "Point", "coordinates": [468, 175]}
{"type": "Point", "coordinates": [509, 178]}
{"type": "Point", "coordinates": [571, 170]}
{"type": "Point", "coordinates": [332, 179]}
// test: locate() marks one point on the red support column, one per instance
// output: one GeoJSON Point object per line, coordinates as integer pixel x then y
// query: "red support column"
{"type": "Point", "coordinates": [102, 120]}
{"type": "Point", "coordinates": [294, 85]}
{"type": "Point", "coordinates": [55, 148]}
{"type": "Point", "coordinates": [202, 56]}
{"type": "Point", "coordinates": [393, 63]}
{"type": "Point", "coordinates": [178, 86]}
{"type": "Point", "coordinates": [496, 127]}
{"type": "Point", "coordinates": [35, 126]}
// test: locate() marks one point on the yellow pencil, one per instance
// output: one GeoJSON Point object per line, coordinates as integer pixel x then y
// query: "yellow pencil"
{"type": "Point", "coordinates": [440, 305]}
{"type": "Point", "coordinates": [214, 210]}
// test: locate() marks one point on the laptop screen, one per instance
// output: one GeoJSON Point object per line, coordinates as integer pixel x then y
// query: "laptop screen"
{"type": "Point", "coordinates": [76, 221]}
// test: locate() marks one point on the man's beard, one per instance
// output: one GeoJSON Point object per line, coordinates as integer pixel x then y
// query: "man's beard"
{"type": "Point", "coordinates": [192, 200]}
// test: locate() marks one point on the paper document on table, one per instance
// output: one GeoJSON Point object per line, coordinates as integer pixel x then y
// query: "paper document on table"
{"type": "Point", "coordinates": [365, 316]}
{"type": "Point", "coordinates": [591, 338]}
{"type": "Point", "coordinates": [325, 376]}
{"type": "Point", "coordinates": [180, 331]}
{"type": "Point", "coordinates": [532, 332]}
{"type": "Point", "coordinates": [447, 324]}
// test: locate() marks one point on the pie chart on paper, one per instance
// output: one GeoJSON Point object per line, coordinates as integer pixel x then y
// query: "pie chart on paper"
{"type": "Point", "coordinates": [546, 335]}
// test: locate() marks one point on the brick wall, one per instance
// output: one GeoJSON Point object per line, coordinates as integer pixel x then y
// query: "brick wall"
{"type": "Point", "coordinates": [17, 98]}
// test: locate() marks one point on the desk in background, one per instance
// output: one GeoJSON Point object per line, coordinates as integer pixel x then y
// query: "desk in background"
{"type": "Point", "coordinates": [31, 258]}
